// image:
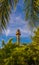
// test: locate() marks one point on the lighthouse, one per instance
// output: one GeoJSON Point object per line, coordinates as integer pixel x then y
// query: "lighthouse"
{"type": "Point", "coordinates": [18, 34]}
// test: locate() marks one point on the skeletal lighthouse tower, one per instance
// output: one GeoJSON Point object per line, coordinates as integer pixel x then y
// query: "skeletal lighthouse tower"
{"type": "Point", "coordinates": [18, 36]}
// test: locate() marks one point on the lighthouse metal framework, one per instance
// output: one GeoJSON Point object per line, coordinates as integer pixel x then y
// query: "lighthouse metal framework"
{"type": "Point", "coordinates": [18, 34]}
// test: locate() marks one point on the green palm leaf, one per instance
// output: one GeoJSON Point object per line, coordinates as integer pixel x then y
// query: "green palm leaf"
{"type": "Point", "coordinates": [31, 8]}
{"type": "Point", "coordinates": [5, 10]}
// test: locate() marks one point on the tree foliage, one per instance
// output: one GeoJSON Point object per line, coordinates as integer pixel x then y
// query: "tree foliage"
{"type": "Point", "coordinates": [31, 8]}
{"type": "Point", "coordinates": [5, 10]}
{"type": "Point", "coordinates": [36, 37]}
{"type": "Point", "coordinates": [12, 54]}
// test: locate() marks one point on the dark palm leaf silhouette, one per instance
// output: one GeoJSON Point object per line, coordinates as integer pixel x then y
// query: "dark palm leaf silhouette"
{"type": "Point", "coordinates": [5, 10]}
{"type": "Point", "coordinates": [31, 8]}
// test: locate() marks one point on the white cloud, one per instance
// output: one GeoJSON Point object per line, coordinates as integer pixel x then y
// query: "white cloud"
{"type": "Point", "coordinates": [17, 22]}
{"type": "Point", "coordinates": [6, 32]}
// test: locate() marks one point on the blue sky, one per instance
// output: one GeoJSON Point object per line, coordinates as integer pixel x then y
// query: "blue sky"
{"type": "Point", "coordinates": [17, 22]}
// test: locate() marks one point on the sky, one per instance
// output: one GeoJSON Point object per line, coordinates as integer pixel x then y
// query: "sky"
{"type": "Point", "coordinates": [17, 21]}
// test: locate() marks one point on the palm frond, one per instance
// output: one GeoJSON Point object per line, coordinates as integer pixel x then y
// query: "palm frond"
{"type": "Point", "coordinates": [31, 10]}
{"type": "Point", "coordinates": [5, 10]}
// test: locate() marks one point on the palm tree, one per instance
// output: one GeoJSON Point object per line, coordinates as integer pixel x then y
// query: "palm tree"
{"type": "Point", "coordinates": [3, 43]}
{"type": "Point", "coordinates": [36, 37]}
{"type": "Point", "coordinates": [31, 8]}
{"type": "Point", "coordinates": [5, 10]}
